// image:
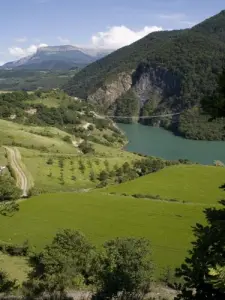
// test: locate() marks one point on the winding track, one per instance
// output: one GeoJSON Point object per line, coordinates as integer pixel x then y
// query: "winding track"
{"type": "Point", "coordinates": [22, 180]}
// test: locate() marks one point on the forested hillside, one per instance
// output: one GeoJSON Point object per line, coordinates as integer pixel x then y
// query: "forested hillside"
{"type": "Point", "coordinates": [169, 71]}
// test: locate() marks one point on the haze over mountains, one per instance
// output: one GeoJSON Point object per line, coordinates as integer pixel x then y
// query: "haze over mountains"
{"type": "Point", "coordinates": [58, 58]}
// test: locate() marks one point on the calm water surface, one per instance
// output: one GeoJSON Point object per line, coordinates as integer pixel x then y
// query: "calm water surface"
{"type": "Point", "coordinates": [162, 143]}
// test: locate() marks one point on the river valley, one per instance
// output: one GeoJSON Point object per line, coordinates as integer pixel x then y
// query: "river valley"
{"type": "Point", "coordinates": [162, 143]}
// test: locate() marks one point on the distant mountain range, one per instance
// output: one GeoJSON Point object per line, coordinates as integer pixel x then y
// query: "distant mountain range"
{"type": "Point", "coordinates": [57, 58]}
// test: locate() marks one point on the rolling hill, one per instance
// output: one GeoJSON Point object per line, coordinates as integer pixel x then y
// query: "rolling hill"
{"type": "Point", "coordinates": [167, 71]}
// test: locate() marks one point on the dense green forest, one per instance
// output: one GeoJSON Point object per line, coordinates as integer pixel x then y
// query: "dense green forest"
{"type": "Point", "coordinates": [127, 105]}
{"type": "Point", "coordinates": [185, 65]}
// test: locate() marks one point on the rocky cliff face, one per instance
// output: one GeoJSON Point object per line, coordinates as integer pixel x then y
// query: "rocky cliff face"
{"type": "Point", "coordinates": [148, 82]}
{"type": "Point", "coordinates": [154, 82]}
{"type": "Point", "coordinates": [106, 95]}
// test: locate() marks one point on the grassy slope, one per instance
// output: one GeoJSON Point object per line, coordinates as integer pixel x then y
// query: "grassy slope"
{"type": "Point", "coordinates": [103, 217]}
{"type": "Point", "coordinates": [3, 160]}
{"type": "Point", "coordinates": [36, 163]}
{"type": "Point", "coordinates": [23, 135]}
{"type": "Point", "coordinates": [191, 183]}
{"type": "Point", "coordinates": [29, 137]}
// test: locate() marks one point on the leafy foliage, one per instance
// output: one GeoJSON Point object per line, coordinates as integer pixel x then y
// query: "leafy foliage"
{"type": "Point", "coordinates": [208, 251]}
{"type": "Point", "coordinates": [8, 189]}
{"type": "Point", "coordinates": [127, 105]}
{"type": "Point", "coordinates": [65, 263]}
{"type": "Point", "coordinates": [70, 261]}
{"type": "Point", "coordinates": [197, 126]}
{"type": "Point", "coordinates": [125, 269]}
{"type": "Point", "coordinates": [86, 148]}
{"type": "Point", "coordinates": [215, 104]}
{"type": "Point", "coordinates": [218, 277]}
{"type": "Point", "coordinates": [6, 285]}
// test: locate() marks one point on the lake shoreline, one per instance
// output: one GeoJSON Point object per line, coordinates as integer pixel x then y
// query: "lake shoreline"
{"type": "Point", "coordinates": [159, 142]}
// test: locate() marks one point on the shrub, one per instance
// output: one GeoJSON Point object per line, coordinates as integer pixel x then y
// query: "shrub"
{"type": "Point", "coordinates": [49, 161]}
{"type": "Point", "coordinates": [67, 139]}
{"type": "Point", "coordinates": [125, 269]}
{"type": "Point", "coordinates": [86, 148]}
{"type": "Point", "coordinates": [15, 250]}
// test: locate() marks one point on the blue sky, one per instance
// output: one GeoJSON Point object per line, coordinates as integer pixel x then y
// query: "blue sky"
{"type": "Point", "coordinates": [28, 24]}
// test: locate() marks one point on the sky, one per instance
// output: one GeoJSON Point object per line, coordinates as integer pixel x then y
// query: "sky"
{"type": "Point", "coordinates": [26, 25]}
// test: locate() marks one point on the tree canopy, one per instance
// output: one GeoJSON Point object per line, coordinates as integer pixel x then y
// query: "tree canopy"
{"type": "Point", "coordinates": [65, 263]}
{"type": "Point", "coordinates": [203, 271]}
{"type": "Point", "coordinates": [215, 103]}
{"type": "Point", "coordinates": [125, 268]}
{"type": "Point", "coordinates": [8, 189]}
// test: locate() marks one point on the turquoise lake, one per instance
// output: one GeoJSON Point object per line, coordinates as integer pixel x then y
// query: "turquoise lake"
{"type": "Point", "coordinates": [162, 143]}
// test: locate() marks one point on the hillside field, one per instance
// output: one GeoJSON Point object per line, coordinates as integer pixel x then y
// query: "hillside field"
{"type": "Point", "coordinates": [189, 183]}
{"type": "Point", "coordinates": [3, 160]}
{"type": "Point", "coordinates": [76, 168]}
{"type": "Point", "coordinates": [103, 217]}
{"type": "Point", "coordinates": [38, 144]}
{"type": "Point", "coordinates": [48, 138]}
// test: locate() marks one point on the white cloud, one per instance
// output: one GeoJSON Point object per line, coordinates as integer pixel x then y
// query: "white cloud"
{"type": "Point", "coordinates": [119, 36]}
{"type": "Point", "coordinates": [21, 39]}
{"type": "Point", "coordinates": [16, 51]}
{"type": "Point", "coordinates": [21, 52]}
{"type": "Point", "coordinates": [2, 63]}
{"type": "Point", "coordinates": [63, 40]}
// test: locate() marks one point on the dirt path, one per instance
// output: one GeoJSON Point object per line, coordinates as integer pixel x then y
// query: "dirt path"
{"type": "Point", "coordinates": [14, 157]}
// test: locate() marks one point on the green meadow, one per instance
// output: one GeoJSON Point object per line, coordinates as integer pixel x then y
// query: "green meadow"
{"type": "Point", "coordinates": [189, 183]}
{"type": "Point", "coordinates": [101, 217]}
{"type": "Point", "coordinates": [106, 213]}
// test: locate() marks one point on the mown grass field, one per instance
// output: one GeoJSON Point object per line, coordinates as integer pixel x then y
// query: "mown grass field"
{"type": "Point", "coordinates": [190, 183]}
{"type": "Point", "coordinates": [101, 217]}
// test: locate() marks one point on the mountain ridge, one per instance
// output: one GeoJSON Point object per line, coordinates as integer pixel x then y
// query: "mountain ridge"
{"type": "Point", "coordinates": [189, 59]}
{"type": "Point", "coordinates": [57, 57]}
